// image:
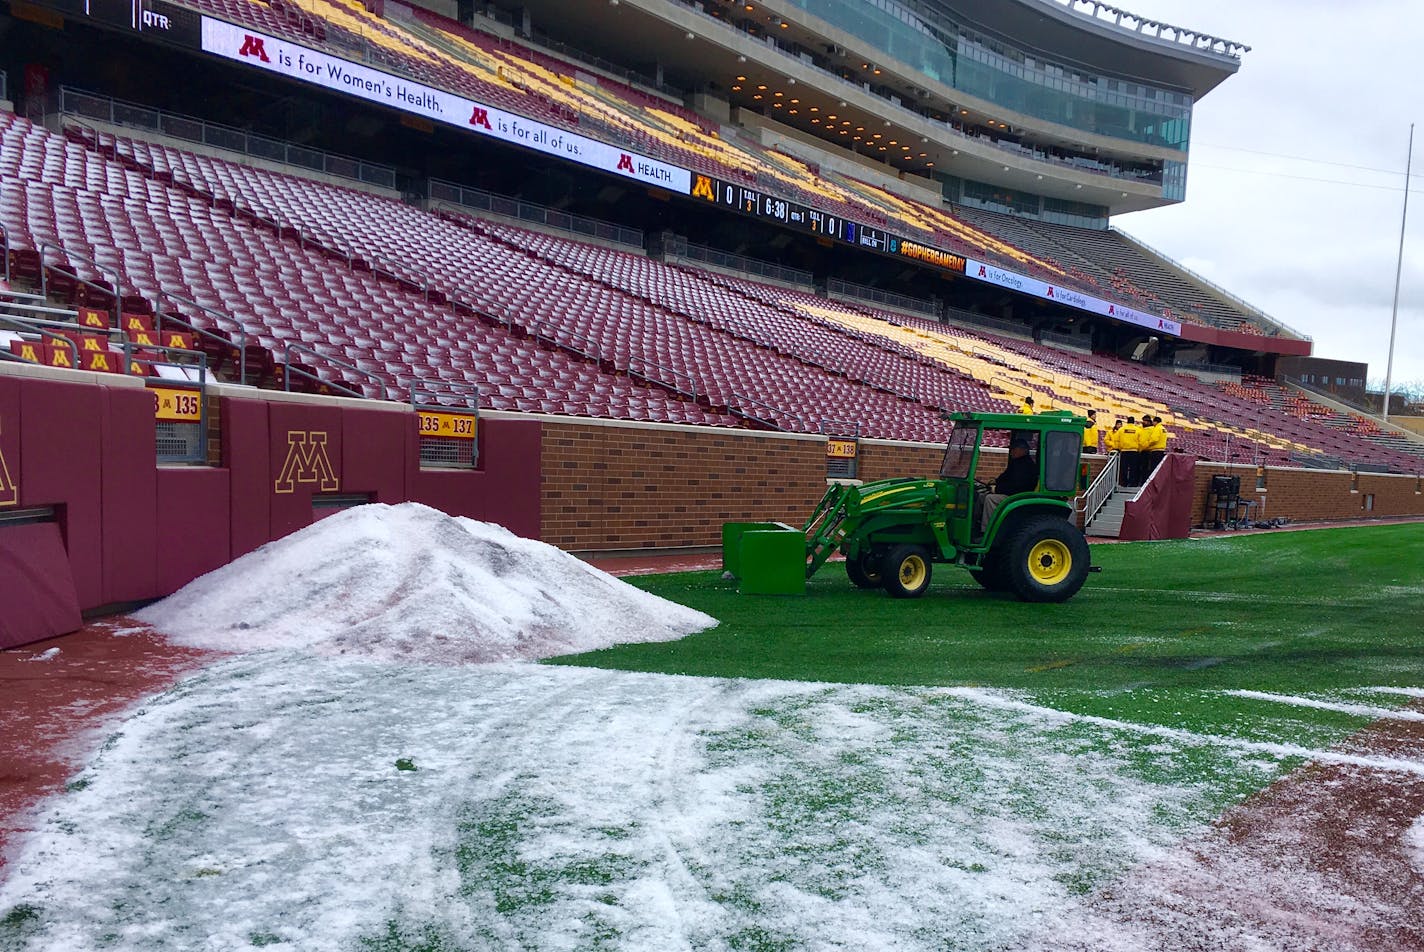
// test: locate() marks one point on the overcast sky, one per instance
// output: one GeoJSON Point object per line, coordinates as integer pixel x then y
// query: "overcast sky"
{"type": "Point", "coordinates": [1335, 81]}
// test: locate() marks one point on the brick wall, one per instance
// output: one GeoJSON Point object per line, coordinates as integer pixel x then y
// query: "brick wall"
{"type": "Point", "coordinates": [628, 486]}
{"type": "Point", "coordinates": [1305, 495]}
{"type": "Point", "coordinates": [641, 486]}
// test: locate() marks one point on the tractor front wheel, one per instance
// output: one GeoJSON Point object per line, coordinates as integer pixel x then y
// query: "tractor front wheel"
{"type": "Point", "coordinates": [906, 570]}
{"type": "Point", "coordinates": [864, 571]}
{"type": "Point", "coordinates": [991, 572]}
{"type": "Point", "coordinates": [1044, 560]}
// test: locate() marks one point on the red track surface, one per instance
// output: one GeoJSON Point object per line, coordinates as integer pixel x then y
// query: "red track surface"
{"type": "Point", "coordinates": [50, 705]}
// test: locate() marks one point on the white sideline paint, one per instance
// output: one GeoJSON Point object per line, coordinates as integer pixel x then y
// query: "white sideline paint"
{"type": "Point", "coordinates": [1405, 692]}
{"type": "Point", "coordinates": [409, 582]}
{"type": "Point", "coordinates": [1191, 738]}
{"type": "Point", "coordinates": [1363, 710]}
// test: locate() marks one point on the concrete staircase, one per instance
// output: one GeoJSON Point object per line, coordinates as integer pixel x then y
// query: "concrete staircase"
{"type": "Point", "coordinates": [1107, 524]}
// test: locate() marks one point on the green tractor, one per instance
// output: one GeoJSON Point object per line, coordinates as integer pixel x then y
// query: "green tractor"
{"type": "Point", "coordinates": [892, 531]}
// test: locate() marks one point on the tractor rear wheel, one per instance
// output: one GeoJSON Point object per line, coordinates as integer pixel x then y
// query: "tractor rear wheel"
{"type": "Point", "coordinates": [907, 571]}
{"type": "Point", "coordinates": [1044, 559]}
{"type": "Point", "coordinates": [864, 571]}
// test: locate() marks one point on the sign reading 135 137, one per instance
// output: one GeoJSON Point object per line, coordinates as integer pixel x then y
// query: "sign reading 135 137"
{"type": "Point", "coordinates": [460, 426]}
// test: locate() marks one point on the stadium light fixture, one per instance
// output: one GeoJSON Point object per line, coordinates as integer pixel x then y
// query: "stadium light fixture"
{"type": "Point", "coordinates": [741, 79]}
{"type": "Point", "coordinates": [736, 89]}
{"type": "Point", "coordinates": [762, 88]}
{"type": "Point", "coordinates": [691, 35]}
{"type": "Point", "coordinates": [842, 103]}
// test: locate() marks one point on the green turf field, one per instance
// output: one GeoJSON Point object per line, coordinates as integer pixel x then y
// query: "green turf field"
{"type": "Point", "coordinates": [1153, 638]}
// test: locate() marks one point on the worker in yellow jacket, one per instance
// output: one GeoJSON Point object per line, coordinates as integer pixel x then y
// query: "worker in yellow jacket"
{"type": "Point", "coordinates": [1026, 407]}
{"type": "Point", "coordinates": [1154, 446]}
{"type": "Point", "coordinates": [1129, 445]}
{"type": "Point", "coordinates": [1110, 437]}
{"type": "Point", "coordinates": [1090, 433]}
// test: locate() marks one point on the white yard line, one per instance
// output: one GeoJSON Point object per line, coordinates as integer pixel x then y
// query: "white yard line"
{"type": "Point", "coordinates": [1362, 710]}
{"type": "Point", "coordinates": [1191, 738]}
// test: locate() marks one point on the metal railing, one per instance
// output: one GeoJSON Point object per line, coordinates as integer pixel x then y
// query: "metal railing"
{"type": "Point", "coordinates": [1100, 490]}
{"type": "Point", "coordinates": [291, 370]}
{"type": "Point", "coordinates": [241, 344]}
{"type": "Point", "coordinates": [738, 408]}
{"type": "Point", "coordinates": [4, 86]}
{"type": "Point", "coordinates": [116, 112]}
{"type": "Point", "coordinates": [116, 292]}
{"type": "Point", "coordinates": [899, 302]}
{"type": "Point", "coordinates": [678, 247]}
{"type": "Point", "coordinates": [436, 449]}
{"type": "Point", "coordinates": [5, 241]}
{"type": "Point", "coordinates": [480, 200]}
{"type": "Point", "coordinates": [28, 325]}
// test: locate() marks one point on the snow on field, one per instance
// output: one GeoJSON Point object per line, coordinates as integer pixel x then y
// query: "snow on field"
{"type": "Point", "coordinates": [408, 581]}
{"type": "Point", "coordinates": [264, 801]}
{"type": "Point", "coordinates": [1414, 844]}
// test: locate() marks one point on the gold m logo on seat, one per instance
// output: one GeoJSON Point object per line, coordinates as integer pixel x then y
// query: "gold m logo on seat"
{"type": "Point", "coordinates": [307, 462]}
{"type": "Point", "coordinates": [9, 489]}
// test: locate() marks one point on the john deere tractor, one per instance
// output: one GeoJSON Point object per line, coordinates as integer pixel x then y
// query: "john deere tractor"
{"type": "Point", "coordinates": [892, 531]}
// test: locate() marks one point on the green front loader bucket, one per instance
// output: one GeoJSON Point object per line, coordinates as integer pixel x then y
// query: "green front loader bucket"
{"type": "Point", "coordinates": [766, 558]}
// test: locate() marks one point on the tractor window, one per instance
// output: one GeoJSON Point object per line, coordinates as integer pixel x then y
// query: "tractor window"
{"type": "Point", "coordinates": [959, 454]}
{"type": "Point", "coordinates": [1060, 461]}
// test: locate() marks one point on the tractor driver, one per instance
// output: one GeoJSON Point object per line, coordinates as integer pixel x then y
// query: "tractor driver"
{"type": "Point", "coordinates": [1020, 476]}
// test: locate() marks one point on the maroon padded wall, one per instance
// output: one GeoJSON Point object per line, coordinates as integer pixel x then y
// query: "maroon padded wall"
{"type": "Point", "coordinates": [37, 597]}
{"type": "Point", "coordinates": [192, 527]}
{"type": "Point", "coordinates": [59, 466]}
{"type": "Point", "coordinates": [129, 496]}
{"type": "Point", "coordinates": [244, 455]}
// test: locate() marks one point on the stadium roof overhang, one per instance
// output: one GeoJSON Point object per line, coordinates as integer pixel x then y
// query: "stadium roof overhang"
{"type": "Point", "coordinates": [1187, 61]}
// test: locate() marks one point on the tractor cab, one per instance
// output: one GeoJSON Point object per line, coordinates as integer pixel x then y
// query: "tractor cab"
{"type": "Point", "coordinates": [1005, 517]}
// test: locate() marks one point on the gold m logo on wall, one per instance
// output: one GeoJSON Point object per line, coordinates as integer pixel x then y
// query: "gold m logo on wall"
{"type": "Point", "coordinates": [307, 462]}
{"type": "Point", "coordinates": [9, 489]}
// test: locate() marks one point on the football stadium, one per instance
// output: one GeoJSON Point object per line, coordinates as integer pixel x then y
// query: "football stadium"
{"type": "Point", "coordinates": [674, 474]}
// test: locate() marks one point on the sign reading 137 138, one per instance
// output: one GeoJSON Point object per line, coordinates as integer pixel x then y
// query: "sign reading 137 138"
{"type": "Point", "coordinates": [460, 426]}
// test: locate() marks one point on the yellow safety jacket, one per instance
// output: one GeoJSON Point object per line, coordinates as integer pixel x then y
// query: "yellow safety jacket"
{"type": "Point", "coordinates": [1129, 438]}
{"type": "Point", "coordinates": [1090, 438]}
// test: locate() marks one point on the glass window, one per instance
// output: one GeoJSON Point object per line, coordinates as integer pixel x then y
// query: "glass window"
{"type": "Point", "coordinates": [959, 454]}
{"type": "Point", "coordinates": [1060, 463]}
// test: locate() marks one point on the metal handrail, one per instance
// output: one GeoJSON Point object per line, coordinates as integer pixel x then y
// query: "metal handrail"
{"type": "Point", "coordinates": [5, 249]}
{"type": "Point", "coordinates": [432, 388]}
{"type": "Point", "coordinates": [116, 293]}
{"type": "Point", "coordinates": [1100, 490]}
{"type": "Point", "coordinates": [241, 344]}
{"type": "Point", "coordinates": [291, 346]}
{"type": "Point", "coordinates": [691, 389]}
{"type": "Point", "coordinates": [30, 326]}
{"type": "Point", "coordinates": [424, 277]}
{"type": "Point", "coordinates": [743, 398]}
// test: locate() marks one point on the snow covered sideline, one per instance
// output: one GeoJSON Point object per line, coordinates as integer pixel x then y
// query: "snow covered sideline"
{"type": "Point", "coordinates": [409, 582]}
{"type": "Point", "coordinates": [301, 802]}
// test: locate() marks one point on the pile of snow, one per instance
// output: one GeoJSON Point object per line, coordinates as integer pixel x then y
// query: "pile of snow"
{"type": "Point", "coordinates": [409, 582]}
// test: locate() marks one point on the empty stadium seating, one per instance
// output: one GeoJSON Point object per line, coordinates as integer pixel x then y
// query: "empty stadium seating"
{"type": "Point", "coordinates": [523, 80]}
{"type": "Point", "coordinates": [545, 323]}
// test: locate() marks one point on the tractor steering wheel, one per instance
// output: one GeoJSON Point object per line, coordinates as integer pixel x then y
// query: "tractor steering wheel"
{"type": "Point", "coordinates": [983, 487]}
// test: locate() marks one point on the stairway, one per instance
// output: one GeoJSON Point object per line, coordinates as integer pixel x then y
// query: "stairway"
{"type": "Point", "coordinates": [1107, 524]}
